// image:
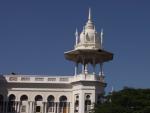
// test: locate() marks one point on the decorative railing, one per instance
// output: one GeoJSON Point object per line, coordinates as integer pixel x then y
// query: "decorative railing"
{"type": "Point", "coordinates": [57, 79]}
{"type": "Point", "coordinates": [52, 79]}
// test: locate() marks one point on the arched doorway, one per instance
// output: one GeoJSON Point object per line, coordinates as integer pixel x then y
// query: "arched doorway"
{"type": "Point", "coordinates": [63, 104]}
{"type": "Point", "coordinates": [24, 103]}
{"type": "Point", "coordinates": [39, 104]}
{"type": "Point", "coordinates": [50, 103]}
{"type": "Point", "coordinates": [11, 103]}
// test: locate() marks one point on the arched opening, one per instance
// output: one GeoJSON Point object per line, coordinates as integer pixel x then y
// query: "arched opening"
{"type": "Point", "coordinates": [63, 104]}
{"type": "Point", "coordinates": [12, 97]}
{"type": "Point", "coordinates": [76, 104]}
{"type": "Point", "coordinates": [50, 105]}
{"type": "Point", "coordinates": [11, 103]}
{"type": "Point", "coordinates": [24, 104]}
{"type": "Point", "coordinates": [38, 100]}
{"type": "Point", "coordinates": [1, 103]}
{"type": "Point", "coordinates": [24, 98]}
{"type": "Point", "coordinates": [87, 103]}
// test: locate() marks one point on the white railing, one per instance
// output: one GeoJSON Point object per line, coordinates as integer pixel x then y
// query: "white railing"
{"type": "Point", "coordinates": [52, 79]}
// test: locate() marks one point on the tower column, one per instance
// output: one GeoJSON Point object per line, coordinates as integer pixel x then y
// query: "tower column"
{"type": "Point", "coordinates": [76, 68]}
{"type": "Point", "coordinates": [94, 66]}
{"type": "Point", "coordinates": [83, 65]}
{"type": "Point", "coordinates": [86, 69]}
{"type": "Point", "coordinates": [101, 69]}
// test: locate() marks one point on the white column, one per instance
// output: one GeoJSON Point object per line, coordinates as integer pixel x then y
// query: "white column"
{"type": "Point", "coordinates": [30, 107]}
{"type": "Point", "coordinates": [76, 69]}
{"type": "Point", "coordinates": [45, 107]}
{"type": "Point", "coordinates": [34, 107]}
{"type": "Point", "coordinates": [15, 105]}
{"type": "Point", "coordinates": [101, 69]}
{"type": "Point", "coordinates": [86, 69]}
{"type": "Point", "coordinates": [68, 107]}
{"type": "Point", "coordinates": [81, 102]}
{"type": "Point", "coordinates": [55, 111]}
{"type": "Point", "coordinates": [57, 107]}
{"type": "Point", "coordinates": [82, 68]}
{"type": "Point", "coordinates": [54, 107]}
{"type": "Point", "coordinates": [17, 109]}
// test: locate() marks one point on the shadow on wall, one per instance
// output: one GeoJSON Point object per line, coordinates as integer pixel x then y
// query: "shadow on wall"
{"type": "Point", "coordinates": [7, 104]}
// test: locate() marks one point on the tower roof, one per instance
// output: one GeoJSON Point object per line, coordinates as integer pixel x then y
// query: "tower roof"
{"type": "Point", "coordinates": [88, 46]}
{"type": "Point", "coordinates": [89, 38]}
{"type": "Point", "coordinates": [99, 56]}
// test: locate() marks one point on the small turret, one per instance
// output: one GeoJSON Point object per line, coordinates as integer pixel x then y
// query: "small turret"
{"type": "Point", "coordinates": [76, 35]}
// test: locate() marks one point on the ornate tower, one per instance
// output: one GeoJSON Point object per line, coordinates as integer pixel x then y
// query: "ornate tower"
{"type": "Point", "coordinates": [88, 50]}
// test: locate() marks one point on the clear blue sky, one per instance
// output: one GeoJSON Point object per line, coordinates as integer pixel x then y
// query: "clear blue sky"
{"type": "Point", "coordinates": [35, 33]}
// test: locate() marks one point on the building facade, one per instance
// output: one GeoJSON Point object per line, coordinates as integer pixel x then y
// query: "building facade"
{"type": "Point", "coordinates": [61, 94]}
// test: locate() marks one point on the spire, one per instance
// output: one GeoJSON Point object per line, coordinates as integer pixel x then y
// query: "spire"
{"type": "Point", "coordinates": [102, 38]}
{"type": "Point", "coordinates": [90, 16]}
{"type": "Point", "coordinates": [76, 35]}
{"type": "Point", "coordinates": [89, 24]}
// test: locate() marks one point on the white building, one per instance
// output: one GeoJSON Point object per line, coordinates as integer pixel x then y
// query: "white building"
{"type": "Point", "coordinates": [60, 94]}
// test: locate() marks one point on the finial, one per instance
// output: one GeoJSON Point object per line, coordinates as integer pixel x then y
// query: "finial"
{"type": "Point", "coordinates": [102, 37]}
{"type": "Point", "coordinates": [90, 16]}
{"type": "Point", "coordinates": [76, 35]}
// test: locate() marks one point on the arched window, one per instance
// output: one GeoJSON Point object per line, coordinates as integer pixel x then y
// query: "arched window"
{"type": "Point", "coordinates": [63, 99]}
{"type": "Point", "coordinates": [63, 104]}
{"type": "Point", "coordinates": [12, 97]}
{"type": "Point", "coordinates": [11, 103]}
{"type": "Point", "coordinates": [50, 101]}
{"type": "Point", "coordinates": [87, 103]}
{"type": "Point", "coordinates": [50, 98]}
{"type": "Point", "coordinates": [1, 103]}
{"type": "Point", "coordinates": [38, 98]}
{"type": "Point", "coordinates": [76, 104]}
{"type": "Point", "coordinates": [24, 98]}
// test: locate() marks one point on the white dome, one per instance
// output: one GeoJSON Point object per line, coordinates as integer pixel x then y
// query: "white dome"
{"type": "Point", "coordinates": [89, 38]}
{"type": "Point", "coordinates": [82, 37]}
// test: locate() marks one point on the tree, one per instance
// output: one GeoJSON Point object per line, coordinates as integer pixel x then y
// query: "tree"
{"type": "Point", "coordinates": [128, 100]}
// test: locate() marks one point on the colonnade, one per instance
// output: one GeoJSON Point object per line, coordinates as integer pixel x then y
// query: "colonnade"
{"type": "Point", "coordinates": [85, 69]}
{"type": "Point", "coordinates": [34, 107]}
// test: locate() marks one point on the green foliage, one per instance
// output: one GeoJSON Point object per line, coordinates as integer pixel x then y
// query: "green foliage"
{"type": "Point", "coordinates": [128, 100]}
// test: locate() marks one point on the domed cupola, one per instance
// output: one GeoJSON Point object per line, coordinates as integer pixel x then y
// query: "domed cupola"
{"type": "Point", "coordinates": [89, 38]}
